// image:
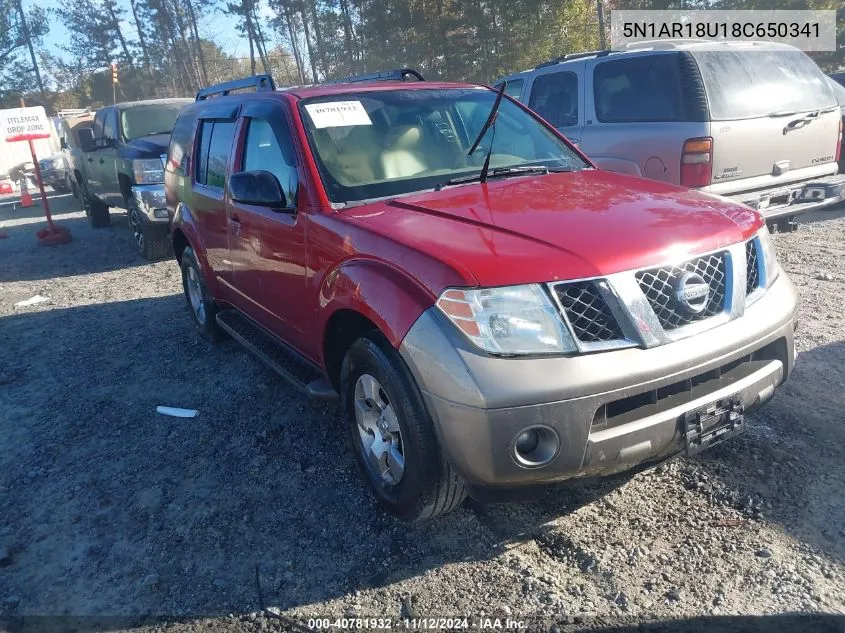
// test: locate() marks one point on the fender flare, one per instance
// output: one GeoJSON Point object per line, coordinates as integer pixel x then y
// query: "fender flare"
{"type": "Point", "coordinates": [377, 290]}
{"type": "Point", "coordinates": [618, 165]}
{"type": "Point", "coordinates": [184, 223]}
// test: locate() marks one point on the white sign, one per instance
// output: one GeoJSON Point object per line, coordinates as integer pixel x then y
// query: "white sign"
{"type": "Point", "coordinates": [24, 124]}
{"type": "Point", "coordinates": [338, 114]}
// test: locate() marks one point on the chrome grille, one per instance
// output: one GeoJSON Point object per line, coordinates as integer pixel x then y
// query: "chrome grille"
{"type": "Point", "coordinates": [752, 273]}
{"type": "Point", "coordinates": [588, 312]}
{"type": "Point", "coordinates": [658, 285]}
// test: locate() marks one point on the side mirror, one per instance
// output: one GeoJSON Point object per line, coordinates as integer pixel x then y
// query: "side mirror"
{"type": "Point", "coordinates": [86, 140]}
{"type": "Point", "coordinates": [260, 188]}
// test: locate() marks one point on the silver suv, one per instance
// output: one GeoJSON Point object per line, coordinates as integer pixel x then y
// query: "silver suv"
{"type": "Point", "coordinates": [755, 121]}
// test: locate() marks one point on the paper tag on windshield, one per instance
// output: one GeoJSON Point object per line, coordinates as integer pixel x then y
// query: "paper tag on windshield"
{"type": "Point", "coordinates": [338, 114]}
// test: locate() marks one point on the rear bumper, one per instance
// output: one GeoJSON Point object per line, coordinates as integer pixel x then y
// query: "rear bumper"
{"type": "Point", "coordinates": [795, 198]}
{"type": "Point", "coordinates": [610, 411]}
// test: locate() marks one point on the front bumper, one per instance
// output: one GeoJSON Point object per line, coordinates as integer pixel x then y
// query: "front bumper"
{"type": "Point", "coordinates": [795, 198]}
{"type": "Point", "coordinates": [151, 202]}
{"type": "Point", "coordinates": [610, 410]}
{"type": "Point", "coordinates": [51, 176]}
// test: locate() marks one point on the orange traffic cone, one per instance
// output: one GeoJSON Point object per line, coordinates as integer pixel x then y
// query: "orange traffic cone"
{"type": "Point", "coordinates": [26, 198]}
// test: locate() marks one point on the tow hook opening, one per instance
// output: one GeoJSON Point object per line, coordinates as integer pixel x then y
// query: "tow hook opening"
{"type": "Point", "coordinates": [535, 446]}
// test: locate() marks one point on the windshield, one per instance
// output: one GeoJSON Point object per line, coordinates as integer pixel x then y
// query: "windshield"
{"type": "Point", "coordinates": [380, 144]}
{"type": "Point", "coordinates": [145, 121]}
{"type": "Point", "coordinates": [746, 84]}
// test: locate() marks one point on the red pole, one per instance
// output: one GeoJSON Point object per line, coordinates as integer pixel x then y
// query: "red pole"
{"type": "Point", "coordinates": [44, 202]}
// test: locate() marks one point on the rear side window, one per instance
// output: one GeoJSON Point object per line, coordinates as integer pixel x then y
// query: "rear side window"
{"type": "Point", "coordinates": [748, 84]}
{"type": "Point", "coordinates": [554, 97]}
{"type": "Point", "coordinates": [639, 89]}
{"type": "Point", "coordinates": [215, 146]}
{"type": "Point", "coordinates": [179, 153]}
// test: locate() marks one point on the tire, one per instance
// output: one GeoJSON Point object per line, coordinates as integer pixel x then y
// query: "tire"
{"type": "Point", "coordinates": [204, 320]}
{"type": "Point", "coordinates": [151, 240]}
{"type": "Point", "coordinates": [97, 212]}
{"type": "Point", "coordinates": [429, 487]}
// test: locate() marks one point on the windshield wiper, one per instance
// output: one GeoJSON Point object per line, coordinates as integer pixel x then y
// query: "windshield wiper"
{"type": "Point", "coordinates": [504, 172]}
{"type": "Point", "coordinates": [157, 133]}
{"type": "Point", "coordinates": [491, 118]}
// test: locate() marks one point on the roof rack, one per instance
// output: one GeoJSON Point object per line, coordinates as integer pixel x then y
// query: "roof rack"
{"type": "Point", "coordinates": [261, 83]}
{"type": "Point", "coordinates": [571, 56]}
{"type": "Point", "coordinates": [400, 74]}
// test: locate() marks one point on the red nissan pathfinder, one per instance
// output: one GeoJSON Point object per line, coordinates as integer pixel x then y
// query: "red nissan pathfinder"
{"type": "Point", "coordinates": [491, 310]}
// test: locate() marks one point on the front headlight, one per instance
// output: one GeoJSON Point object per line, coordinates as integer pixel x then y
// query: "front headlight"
{"type": "Point", "coordinates": [771, 268]}
{"type": "Point", "coordinates": [509, 320]}
{"type": "Point", "coordinates": [148, 171]}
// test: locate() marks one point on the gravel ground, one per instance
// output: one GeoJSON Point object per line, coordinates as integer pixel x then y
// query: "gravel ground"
{"type": "Point", "coordinates": [253, 514]}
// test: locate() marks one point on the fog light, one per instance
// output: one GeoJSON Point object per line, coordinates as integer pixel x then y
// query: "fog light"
{"type": "Point", "coordinates": [528, 441]}
{"type": "Point", "coordinates": [535, 446]}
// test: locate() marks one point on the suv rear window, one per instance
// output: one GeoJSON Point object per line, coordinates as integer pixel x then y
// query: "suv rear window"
{"type": "Point", "coordinates": [639, 89]}
{"type": "Point", "coordinates": [748, 84]}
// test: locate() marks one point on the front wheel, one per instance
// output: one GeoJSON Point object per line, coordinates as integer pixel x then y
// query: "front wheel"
{"type": "Point", "coordinates": [392, 434]}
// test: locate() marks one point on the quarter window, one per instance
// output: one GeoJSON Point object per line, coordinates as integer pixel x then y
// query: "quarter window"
{"type": "Point", "coordinates": [554, 96]}
{"type": "Point", "coordinates": [215, 146]}
{"type": "Point", "coordinates": [645, 88]}
{"type": "Point", "coordinates": [263, 151]}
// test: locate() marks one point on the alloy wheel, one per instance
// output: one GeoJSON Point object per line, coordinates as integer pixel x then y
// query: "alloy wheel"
{"type": "Point", "coordinates": [379, 432]}
{"type": "Point", "coordinates": [195, 294]}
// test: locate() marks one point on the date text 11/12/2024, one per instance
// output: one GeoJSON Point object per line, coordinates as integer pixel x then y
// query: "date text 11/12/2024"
{"type": "Point", "coordinates": [418, 624]}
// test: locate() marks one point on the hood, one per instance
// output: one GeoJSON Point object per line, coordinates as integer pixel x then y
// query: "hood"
{"type": "Point", "coordinates": [560, 226]}
{"type": "Point", "coordinates": [148, 146]}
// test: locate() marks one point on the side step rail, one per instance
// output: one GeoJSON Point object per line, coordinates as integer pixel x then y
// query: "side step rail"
{"type": "Point", "coordinates": [282, 359]}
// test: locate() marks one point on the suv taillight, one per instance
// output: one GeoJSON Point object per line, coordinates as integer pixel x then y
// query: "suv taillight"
{"type": "Point", "coordinates": [839, 146]}
{"type": "Point", "coordinates": [697, 162]}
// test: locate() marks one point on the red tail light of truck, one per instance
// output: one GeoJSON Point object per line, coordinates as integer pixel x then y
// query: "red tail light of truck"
{"type": "Point", "coordinates": [697, 162]}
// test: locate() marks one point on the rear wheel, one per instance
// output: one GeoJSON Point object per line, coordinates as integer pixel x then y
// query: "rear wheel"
{"type": "Point", "coordinates": [392, 434]}
{"type": "Point", "coordinates": [97, 212]}
{"type": "Point", "coordinates": [200, 302]}
{"type": "Point", "coordinates": [151, 240]}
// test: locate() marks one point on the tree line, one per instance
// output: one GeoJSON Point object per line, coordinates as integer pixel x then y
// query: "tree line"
{"type": "Point", "coordinates": [161, 48]}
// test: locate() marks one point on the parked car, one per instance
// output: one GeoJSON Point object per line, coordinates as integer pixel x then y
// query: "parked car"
{"type": "Point", "coordinates": [839, 91]}
{"type": "Point", "coordinates": [53, 172]}
{"type": "Point", "coordinates": [754, 121]}
{"type": "Point", "coordinates": [72, 153]}
{"type": "Point", "coordinates": [124, 151]}
{"type": "Point", "coordinates": [492, 311]}
{"type": "Point", "coordinates": [7, 185]}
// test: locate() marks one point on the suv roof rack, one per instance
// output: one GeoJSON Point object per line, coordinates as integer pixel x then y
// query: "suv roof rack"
{"type": "Point", "coordinates": [400, 74]}
{"type": "Point", "coordinates": [570, 56]}
{"type": "Point", "coordinates": [261, 83]}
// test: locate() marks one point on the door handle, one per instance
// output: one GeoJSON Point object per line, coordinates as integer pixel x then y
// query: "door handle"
{"type": "Point", "coordinates": [102, 161]}
{"type": "Point", "coordinates": [90, 160]}
{"type": "Point", "coordinates": [234, 219]}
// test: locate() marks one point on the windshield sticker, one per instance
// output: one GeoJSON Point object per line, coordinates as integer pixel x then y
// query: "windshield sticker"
{"type": "Point", "coordinates": [338, 114]}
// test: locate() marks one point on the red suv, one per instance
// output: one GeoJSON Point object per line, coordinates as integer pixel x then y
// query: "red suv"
{"type": "Point", "coordinates": [492, 310]}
